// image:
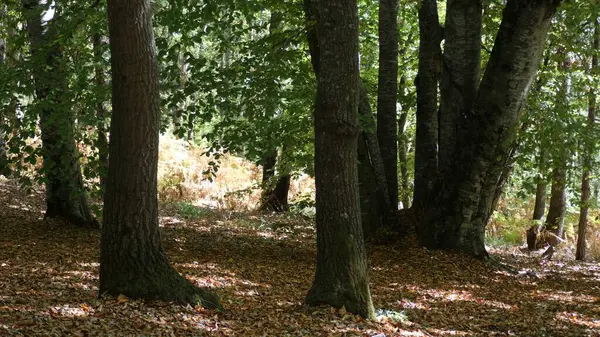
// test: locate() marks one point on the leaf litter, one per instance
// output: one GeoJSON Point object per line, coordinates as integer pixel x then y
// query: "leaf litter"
{"type": "Point", "coordinates": [262, 267]}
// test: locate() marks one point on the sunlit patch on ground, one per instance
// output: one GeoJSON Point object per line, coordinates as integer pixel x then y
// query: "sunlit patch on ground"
{"type": "Point", "coordinates": [262, 267]}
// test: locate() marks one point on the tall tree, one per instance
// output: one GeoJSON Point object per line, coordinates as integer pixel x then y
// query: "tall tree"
{"type": "Point", "coordinates": [275, 185]}
{"type": "Point", "coordinates": [132, 259]}
{"type": "Point", "coordinates": [374, 197]}
{"type": "Point", "coordinates": [65, 195]}
{"type": "Point", "coordinates": [461, 64]}
{"type": "Point", "coordinates": [101, 111]}
{"type": "Point", "coordinates": [341, 277]}
{"type": "Point", "coordinates": [387, 91]}
{"type": "Point", "coordinates": [465, 191]}
{"type": "Point", "coordinates": [588, 151]}
{"type": "Point", "coordinates": [430, 63]}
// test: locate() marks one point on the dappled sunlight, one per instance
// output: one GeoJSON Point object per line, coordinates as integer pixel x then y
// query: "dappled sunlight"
{"type": "Point", "coordinates": [564, 296]}
{"type": "Point", "coordinates": [580, 319]}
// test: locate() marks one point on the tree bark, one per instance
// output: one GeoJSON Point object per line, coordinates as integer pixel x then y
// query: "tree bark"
{"type": "Point", "coordinates": [341, 277]}
{"type": "Point", "coordinates": [387, 90]}
{"type": "Point", "coordinates": [430, 56]}
{"type": "Point", "coordinates": [589, 149]}
{"type": "Point", "coordinates": [374, 197]}
{"type": "Point", "coordinates": [460, 73]}
{"type": "Point", "coordinates": [466, 191]}
{"type": "Point", "coordinates": [65, 195]}
{"type": "Point", "coordinates": [132, 259]}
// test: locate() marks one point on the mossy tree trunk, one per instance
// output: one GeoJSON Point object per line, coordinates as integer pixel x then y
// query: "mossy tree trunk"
{"type": "Point", "coordinates": [65, 194]}
{"type": "Point", "coordinates": [341, 278]}
{"type": "Point", "coordinates": [132, 259]}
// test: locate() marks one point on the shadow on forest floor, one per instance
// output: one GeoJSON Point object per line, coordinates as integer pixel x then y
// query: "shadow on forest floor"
{"type": "Point", "coordinates": [262, 267]}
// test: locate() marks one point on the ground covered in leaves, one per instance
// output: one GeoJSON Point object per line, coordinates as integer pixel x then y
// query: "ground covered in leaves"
{"type": "Point", "coordinates": [262, 267]}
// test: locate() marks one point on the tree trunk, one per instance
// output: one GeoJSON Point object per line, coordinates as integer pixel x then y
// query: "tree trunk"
{"type": "Point", "coordinates": [3, 157]}
{"type": "Point", "coordinates": [558, 202]}
{"type": "Point", "coordinates": [374, 197]}
{"type": "Point", "coordinates": [341, 277]}
{"type": "Point", "coordinates": [540, 191]}
{"type": "Point", "coordinates": [132, 259]}
{"type": "Point", "coordinates": [274, 196]}
{"type": "Point", "coordinates": [387, 132]}
{"type": "Point", "coordinates": [460, 74]}
{"type": "Point", "coordinates": [101, 110]}
{"type": "Point", "coordinates": [466, 191]}
{"type": "Point", "coordinates": [65, 195]}
{"type": "Point", "coordinates": [430, 56]}
{"type": "Point", "coordinates": [403, 155]}
{"type": "Point", "coordinates": [589, 149]}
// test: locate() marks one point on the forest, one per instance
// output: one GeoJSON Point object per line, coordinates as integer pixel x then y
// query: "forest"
{"type": "Point", "coordinates": [299, 168]}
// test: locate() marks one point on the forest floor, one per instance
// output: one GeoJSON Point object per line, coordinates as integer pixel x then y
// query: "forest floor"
{"type": "Point", "coordinates": [262, 267]}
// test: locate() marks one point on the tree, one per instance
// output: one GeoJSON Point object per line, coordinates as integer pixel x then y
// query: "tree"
{"type": "Point", "coordinates": [465, 191]}
{"type": "Point", "coordinates": [430, 58]}
{"type": "Point", "coordinates": [588, 151]}
{"type": "Point", "coordinates": [65, 195]}
{"type": "Point", "coordinates": [387, 89]}
{"type": "Point", "coordinates": [132, 259]}
{"type": "Point", "coordinates": [341, 277]}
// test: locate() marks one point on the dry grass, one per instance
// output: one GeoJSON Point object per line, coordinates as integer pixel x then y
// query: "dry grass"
{"type": "Point", "coordinates": [181, 176]}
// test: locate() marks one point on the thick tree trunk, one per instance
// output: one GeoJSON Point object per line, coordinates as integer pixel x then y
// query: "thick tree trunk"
{"type": "Point", "coordinates": [132, 260]}
{"type": "Point", "coordinates": [100, 79]}
{"type": "Point", "coordinates": [374, 197]}
{"type": "Point", "coordinates": [65, 195]}
{"type": "Point", "coordinates": [467, 190]}
{"type": "Point", "coordinates": [589, 149]}
{"type": "Point", "coordinates": [341, 277]}
{"type": "Point", "coordinates": [460, 74]}
{"type": "Point", "coordinates": [387, 132]}
{"type": "Point", "coordinates": [430, 57]}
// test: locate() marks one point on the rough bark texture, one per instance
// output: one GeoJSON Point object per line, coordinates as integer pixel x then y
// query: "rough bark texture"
{"type": "Point", "coordinates": [100, 79]}
{"type": "Point", "coordinates": [374, 198]}
{"type": "Point", "coordinates": [587, 162]}
{"type": "Point", "coordinates": [65, 195]}
{"type": "Point", "coordinates": [132, 260]}
{"type": "Point", "coordinates": [430, 57]}
{"type": "Point", "coordinates": [341, 277]}
{"type": "Point", "coordinates": [387, 132]}
{"type": "Point", "coordinates": [460, 74]}
{"type": "Point", "coordinates": [466, 191]}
